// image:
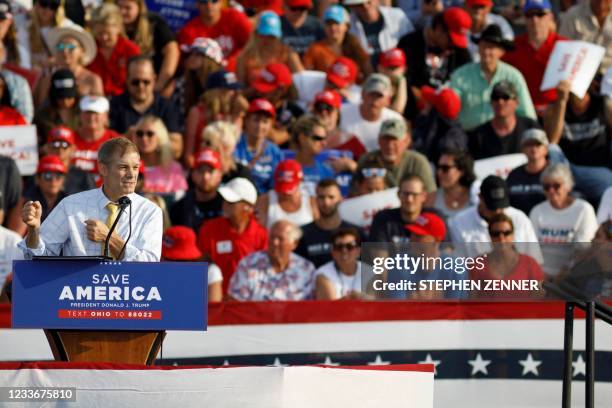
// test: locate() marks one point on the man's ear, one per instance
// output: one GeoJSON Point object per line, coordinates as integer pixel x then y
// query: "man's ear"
{"type": "Point", "coordinates": [103, 169]}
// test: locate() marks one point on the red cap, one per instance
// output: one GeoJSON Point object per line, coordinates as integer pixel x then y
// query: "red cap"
{"type": "Point", "coordinates": [51, 164]}
{"type": "Point", "coordinates": [428, 224]}
{"type": "Point", "coordinates": [141, 168]}
{"type": "Point", "coordinates": [287, 176]}
{"type": "Point", "coordinates": [209, 157]}
{"type": "Point", "coordinates": [329, 97]}
{"type": "Point", "coordinates": [179, 244]}
{"type": "Point", "coordinates": [262, 105]}
{"type": "Point", "coordinates": [392, 58]}
{"type": "Point", "coordinates": [271, 77]}
{"type": "Point", "coordinates": [483, 3]}
{"type": "Point", "coordinates": [458, 22]}
{"type": "Point", "coordinates": [299, 3]}
{"type": "Point", "coordinates": [343, 72]}
{"type": "Point", "coordinates": [445, 101]}
{"type": "Point", "coordinates": [60, 134]}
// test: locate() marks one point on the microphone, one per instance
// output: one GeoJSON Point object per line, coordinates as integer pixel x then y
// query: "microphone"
{"type": "Point", "coordinates": [123, 202]}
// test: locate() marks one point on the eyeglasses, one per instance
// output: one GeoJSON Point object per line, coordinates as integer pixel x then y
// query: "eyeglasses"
{"type": "Point", "coordinates": [538, 14]}
{"type": "Point", "coordinates": [407, 194]}
{"type": "Point", "coordinates": [137, 82]}
{"type": "Point", "coordinates": [317, 138]}
{"type": "Point", "coordinates": [143, 133]}
{"type": "Point", "coordinates": [497, 97]}
{"type": "Point", "coordinates": [48, 176]}
{"type": "Point", "coordinates": [499, 233]}
{"type": "Point", "coordinates": [349, 246]}
{"type": "Point", "coordinates": [554, 186]}
{"type": "Point", "coordinates": [373, 172]}
{"type": "Point", "coordinates": [49, 4]}
{"type": "Point", "coordinates": [208, 1]}
{"type": "Point", "coordinates": [65, 47]}
{"type": "Point", "coordinates": [60, 145]}
{"type": "Point", "coordinates": [444, 168]}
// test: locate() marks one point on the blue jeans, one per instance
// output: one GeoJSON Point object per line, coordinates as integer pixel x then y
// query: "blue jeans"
{"type": "Point", "coordinates": [591, 181]}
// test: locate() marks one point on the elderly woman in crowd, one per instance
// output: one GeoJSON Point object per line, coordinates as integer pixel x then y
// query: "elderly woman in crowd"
{"type": "Point", "coordinates": [455, 175]}
{"type": "Point", "coordinates": [155, 39]}
{"type": "Point", "coordinates": [288, 200]}
{"type": "Point", "coordinates": [341, 277]}
{"type": "Point", "coordinates": [222, 137]}
{"type": "Point", "coordinates": [338, 42]}
{"type": "Point", "coordinates": [162, 173]}
{"type": "Point", "coordinates": [562, 218]}
{"type": "Point", "coordinates": [114, 49]}
{"type": "Point", "coordinates": [73, 48]}
{"type": "Point", "coordinates": [275, 274]}
{"type": "Point", "coordinates": [505, 263]}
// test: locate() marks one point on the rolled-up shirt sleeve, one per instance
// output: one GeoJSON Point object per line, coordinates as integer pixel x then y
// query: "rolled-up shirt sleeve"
{"type": "Point", "coordinates": [54, 232]}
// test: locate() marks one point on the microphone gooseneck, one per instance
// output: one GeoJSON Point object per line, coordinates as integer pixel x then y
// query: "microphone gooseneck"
{"type": "Point", "coordinates": [123, 203]}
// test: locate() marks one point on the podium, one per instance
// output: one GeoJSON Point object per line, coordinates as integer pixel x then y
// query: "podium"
{"type": "Point", "coordinates": [95, 310]}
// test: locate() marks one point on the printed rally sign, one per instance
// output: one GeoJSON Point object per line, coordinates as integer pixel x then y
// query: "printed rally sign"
{"type": "Point", "coordinates": [499, 165]}
{"type": "Point", "coordinates": [574, 61]}
{"type": "Point", "coordinates": [19, 143]}
{"type": "Point", "coordinates": [176, 12]}
{"type": "Point", "coordinates": [89, 294]}
{"type": "Point", "coordinates": [361, 210]}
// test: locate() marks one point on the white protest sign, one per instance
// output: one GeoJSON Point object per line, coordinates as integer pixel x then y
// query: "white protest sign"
{"type": "Point", "coordinates": [574, 61]}
{"type": "Point", "coordinates": [361, 210]}
{"type": "Point", "coordinates": [20, 143]}
{"type": "Point", "coordinates": [499, 165]}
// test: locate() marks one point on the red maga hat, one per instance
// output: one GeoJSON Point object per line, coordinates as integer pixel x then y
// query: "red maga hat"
{"type": "Point", "coordinates": [61, 134]}
{"type": "Point", "coordinates": [51, 164]}
{"type": "Point", "coordinates": [287, 176]}
{"type": "Point", "coordinates": [428, 224]}
{"type": "Point", "coordinates": [179, 244]}
{"type": "Point", "coordinates": [262, 105]}
{"type": "Point", "coordinates": [208, 157]}
{"type": "Point", "coordinates": [343, 72]}
{"type": "Point", "coordinates": [445, 101]}
{"type": "Point", "coordinates": [458, 23]}
{"type": "Point", "coordinates": [393, 58]}
{"type": "Point", "coordinates": [273, 76]}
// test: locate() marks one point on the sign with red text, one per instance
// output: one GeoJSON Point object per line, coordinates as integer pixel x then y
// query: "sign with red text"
{"type": "Point", "coordinates": [20, 143]}
{"type": "Point", "coordinates": [573, 61]}
{"type": "Point", "coordinates": [361, 210]}
{"type": "Point", "coordinates": [89, 294]}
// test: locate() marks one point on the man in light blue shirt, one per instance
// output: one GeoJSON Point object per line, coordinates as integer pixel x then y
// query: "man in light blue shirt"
{"type": "Point", "coordinates": [474, 82]}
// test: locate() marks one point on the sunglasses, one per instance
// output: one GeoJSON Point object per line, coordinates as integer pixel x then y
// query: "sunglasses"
{"type": "Point", "coordinates": [323, 107]}
{"type": "Point", "coordinates": [143, 133]}
{"type": "Point", "coordinates": [60, 145]}
{"type": "Point", "coordinates": [298, 9]}
{"type": "Point", "coordinates": [65, 47]}
{"type": "Point", "coordinates": [208, 1]}
{"type": "Point", "coordinates": [349, 246]}
{"type": "Point", "coordinates": [373, 172]}
{"type": "Point", "coordinates": [407, 194]}
{"type": "Point", "coordinates": [444, 168]}
{"type": "Point", "coordinates": [554, 186]}
{"type": "Point", "coordinates": [499, 233]}
{"type": "Point", "coordinates": [497, 97]}
{"type": "Point", "coordinates": [49, 4]}
{"type": "Point", "coordinates": [137, 82]}
{"type": "Point", "coordinates": [48, 176]}
{"type": "Point", "coordinates": [538, 14]}
{"type": "Point", "coordinates": [317, 138]}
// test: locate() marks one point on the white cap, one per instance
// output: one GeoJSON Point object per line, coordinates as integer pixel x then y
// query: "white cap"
{"type": "Point", "coordinates": [239, 189]}
{"type": "Point", "coordinates": [91, 103]}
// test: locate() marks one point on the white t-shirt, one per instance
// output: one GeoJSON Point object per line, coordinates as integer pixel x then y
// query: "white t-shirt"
{"type": "Point", "coordinates": [214, 274]}
{"type": "Point", "coordinates": [352, 122]}
{"type": "Point", "coordinates": [468, 227]}
{"type": "Point", "coordinates": [576, 223]}
{"type": "Point", "coordinates": [604, 212]}
{"type": "Point", "coordinates": [8, 252]}
{"type": "Point", "coordinates": [344, 284]}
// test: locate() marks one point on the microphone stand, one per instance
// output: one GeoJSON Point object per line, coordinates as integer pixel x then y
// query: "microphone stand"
{"type": "Point", "coordinates": [123, 204]}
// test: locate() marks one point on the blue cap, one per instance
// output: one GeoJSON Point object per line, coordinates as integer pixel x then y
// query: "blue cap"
{"type": "Point", "coordinates": [269, 24]}
{"type": "Point", "coordinates": [537, 5]}
{"type": "Point", "coordinates": [336, 13]}
{"type": "Point", "coordinates": [222, 79]}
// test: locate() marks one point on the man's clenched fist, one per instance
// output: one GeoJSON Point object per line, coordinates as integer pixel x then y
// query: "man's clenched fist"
{"type": "Point", "coordinates": [32, 213]}
{"type": "Point", "coordinates": [96, 230]}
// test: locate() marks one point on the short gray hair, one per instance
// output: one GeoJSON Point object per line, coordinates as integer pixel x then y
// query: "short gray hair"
{"type": "Point", "coordinates": [558, 171]}
{"type": "Point", "coordinates": [117, 146]}
{"type": "Point", "coordinates": [295, 232]}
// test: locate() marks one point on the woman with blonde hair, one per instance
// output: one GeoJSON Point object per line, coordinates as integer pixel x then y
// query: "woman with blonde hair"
{"type": "Point", "coordinates": [114, 48]}
{"type": "Point", "coordinates": [222, 137]}
{"type": "Point", "coordinates": [45, 14]}
{"type": "Point", "coordinates": [163, 174]}
{"type": "Point", "coordinates": [155, 39]}
{"type": "Point", "coordinates": [265, 47]}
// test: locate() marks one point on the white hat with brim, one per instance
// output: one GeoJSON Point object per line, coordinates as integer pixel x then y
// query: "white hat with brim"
{"type": "Point", "coordinates": [92, 103]}
{"type": "Point", "coordinates": [87, 41]}
{"type": "Point", "coordinates": [239, 189]}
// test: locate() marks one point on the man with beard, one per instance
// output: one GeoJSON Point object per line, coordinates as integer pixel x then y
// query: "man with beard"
{"type": "Point", "coordinates": [202, 202]}
{"type": "Point", "coordinates": [315, 244]}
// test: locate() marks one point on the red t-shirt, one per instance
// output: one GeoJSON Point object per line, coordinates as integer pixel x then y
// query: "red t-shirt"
{"type": "Point", "coordinates": [226, 247]}
{"type": "Point", "coordinates": [232, 32]}
{"type": "Point", "coordinates": [114, 70]}
{"type": "Point", "coordinates": [262, 5]}
{"type": "Point", "coordinates": [86, 153]}
{"type": "Point", "coordinates": [532, 64]}
{"type": "Point", "coordinates": [526, 269]}
{"type": "Point", "coordinates": [10, 117]}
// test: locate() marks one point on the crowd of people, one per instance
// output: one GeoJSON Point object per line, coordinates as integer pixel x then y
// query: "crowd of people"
{"type": "Point", "coordinates": [255, 120]}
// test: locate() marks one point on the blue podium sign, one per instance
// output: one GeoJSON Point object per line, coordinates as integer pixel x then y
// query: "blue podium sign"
{"type": "Point", "coordinates": [84, 294]}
